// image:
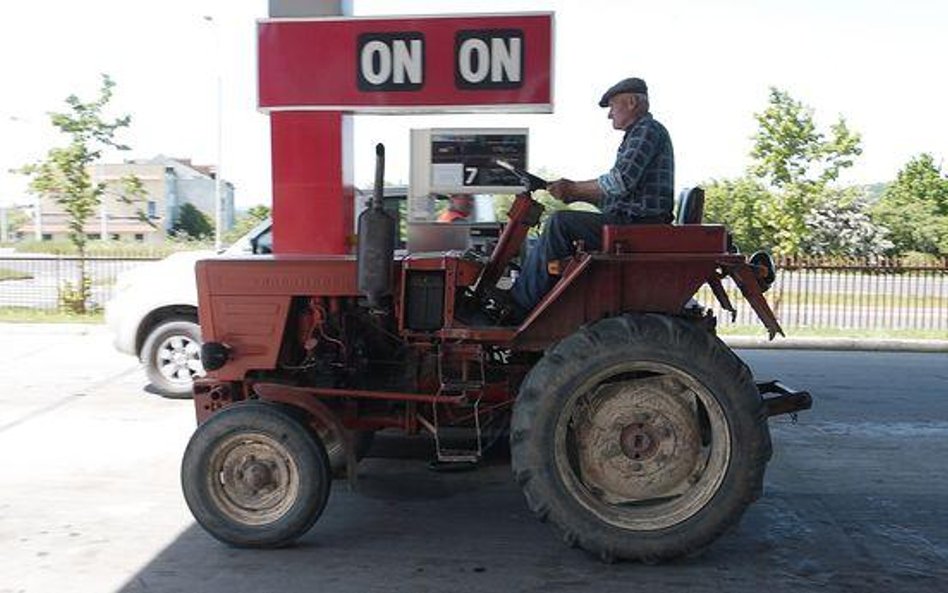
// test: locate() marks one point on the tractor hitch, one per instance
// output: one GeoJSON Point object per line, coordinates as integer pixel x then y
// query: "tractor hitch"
{"type": "Point", "coordinates": [787, 401]}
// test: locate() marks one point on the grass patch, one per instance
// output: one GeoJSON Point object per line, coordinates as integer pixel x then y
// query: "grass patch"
{"type": "Point", "coordinates": [850, 301]}
{"type": "Point", "coordinates": [28, 315]}
{"type": "Point", "coordinates": [112, 248]}
{"type": "Point", "coordinates": [812, 332]}
{"type": "Point", "coordinates": [7, 274]}
{"type": "Point", "coordinates": [779, 299]}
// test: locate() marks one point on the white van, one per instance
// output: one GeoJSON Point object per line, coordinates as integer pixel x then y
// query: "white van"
{"type": "Point", "coordinates": [153, 313]}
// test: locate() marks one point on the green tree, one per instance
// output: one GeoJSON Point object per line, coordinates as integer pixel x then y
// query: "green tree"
{"type": "Point", "coordinates": [789, 150]}
{"type": "Point", "coordinates": [191, 223]}
{"type": "Point", "coordinates": [797, 160]}
{"type": "Point", "coordinates": [64, 174]}
{"type": "Point", "coordinates": [915, 207]}
{"type": "Point", "coordinates": [787, 212]}
{"type": "Point", "coordinates": [741, 204]}
{"type": "Point", "coordinates": [14, 218]}
{"type": "Point", "coordinates": [245, 222]}
{"type": "Point", "coordinates": [258, 213]}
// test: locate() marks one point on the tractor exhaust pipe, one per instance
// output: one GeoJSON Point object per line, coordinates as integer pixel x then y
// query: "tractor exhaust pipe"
{"type": "Point", "coordinates": [376, 242]}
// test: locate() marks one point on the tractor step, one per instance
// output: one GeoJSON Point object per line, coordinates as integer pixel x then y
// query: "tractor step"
{"type": "Point", "coordinates": [461, 386]}
{"type": "Point", "coordinates": [449, 467]}
{"type": "Point", "coordinates": [455, 455]}
{"type": "Point", "coordinates": [458, 456]}
{"type": "Point", "coordinates": [460, 371]}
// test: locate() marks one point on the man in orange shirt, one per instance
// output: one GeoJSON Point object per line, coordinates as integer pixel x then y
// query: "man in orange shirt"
{"type": "Point", "coordinates": [460, 208]}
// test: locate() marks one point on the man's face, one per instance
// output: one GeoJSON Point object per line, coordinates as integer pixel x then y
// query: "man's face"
{"type": "Point", "coordinates": [622, 110]}
{"type": "Point", "coordinates": [462, 203]}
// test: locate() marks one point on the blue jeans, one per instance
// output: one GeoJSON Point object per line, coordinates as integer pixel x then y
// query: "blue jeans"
{"type": "Point", "coordinates": [563, 228]}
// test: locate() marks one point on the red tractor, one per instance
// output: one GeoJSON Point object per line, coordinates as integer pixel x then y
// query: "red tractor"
{"type": "Point", "coordinates": [633, 429]}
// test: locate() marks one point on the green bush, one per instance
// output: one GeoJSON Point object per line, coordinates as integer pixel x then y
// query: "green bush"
{"type": "Point", "coordinates": [917, 259]}
{"type": "Point", "coordinates": [7, 274]}
{"type": "Point", "coordinates": [73, 298]}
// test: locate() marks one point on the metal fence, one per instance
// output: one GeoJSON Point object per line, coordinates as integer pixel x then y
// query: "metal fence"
{"type": "Point", "coordinates": [851, 294]}
{"type": "Point", "coordinates": [39, 281]}
{"type": "Point", "coordinates": [808, 292]}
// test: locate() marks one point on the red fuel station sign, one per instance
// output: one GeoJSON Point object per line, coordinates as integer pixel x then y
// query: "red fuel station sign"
{"type": "Point", "coordinates": [436, 64]}
{"type": "Point", "coordinates": [313, 74]}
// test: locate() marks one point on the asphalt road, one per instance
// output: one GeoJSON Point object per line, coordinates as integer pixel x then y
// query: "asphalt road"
{"type": "Point", "coordinates": [90, 502]}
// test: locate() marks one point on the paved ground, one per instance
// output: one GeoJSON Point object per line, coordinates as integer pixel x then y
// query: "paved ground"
{"type": "Point", "coordinates": [90, 500]}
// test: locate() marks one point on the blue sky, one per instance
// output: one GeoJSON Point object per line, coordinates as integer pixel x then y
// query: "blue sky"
{"type": "Point", "coordinates": [708, 64]}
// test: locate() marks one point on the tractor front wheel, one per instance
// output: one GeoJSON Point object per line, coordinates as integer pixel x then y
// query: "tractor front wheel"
{"type": "Point", "coordinates": [255, 476]}
{"type": "Point", "coordinates": [640, 437]}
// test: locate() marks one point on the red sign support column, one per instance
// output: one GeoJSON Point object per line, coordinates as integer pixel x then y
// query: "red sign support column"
{"type": "Point", "coordinates": [313, 194]}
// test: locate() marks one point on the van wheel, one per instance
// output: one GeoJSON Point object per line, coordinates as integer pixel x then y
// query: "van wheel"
{"type": "Point", "coordinates": [172, 357]}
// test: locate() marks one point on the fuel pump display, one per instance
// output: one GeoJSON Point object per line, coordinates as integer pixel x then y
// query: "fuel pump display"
{"type": "Point", "coordinates": [470, 159]}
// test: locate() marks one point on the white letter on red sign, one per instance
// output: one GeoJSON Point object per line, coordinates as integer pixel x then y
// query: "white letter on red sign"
{"type": "Point", "coordinates": [467, 58]}
{"type": "Point", "coordinates": [407, 62]}
{"type": "Point", "coordinates": [384, 70]}
{"type": "Point", "coordinates": [505, 60]}
{"type": "Point", "coordinates": [391, 61]}
{"type": "Point", "coordinates": [489, 59]}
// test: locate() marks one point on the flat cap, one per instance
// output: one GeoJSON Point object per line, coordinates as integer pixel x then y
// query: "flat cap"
{"type": "Point", "coordinates": [628, 85]}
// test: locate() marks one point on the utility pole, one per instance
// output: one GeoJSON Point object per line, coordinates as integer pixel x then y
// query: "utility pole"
{"type": "Point", "coordinates": [38, 219]}
{"type": "Point", "coordinates": [218, 177]}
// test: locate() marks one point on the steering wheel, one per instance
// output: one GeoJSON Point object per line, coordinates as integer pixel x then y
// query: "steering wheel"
{"type": "Point", "coordinates": [529, 180]}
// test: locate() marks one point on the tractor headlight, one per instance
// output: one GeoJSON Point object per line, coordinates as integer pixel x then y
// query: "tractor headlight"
{"type": "Point", "coordinates": [764, 269]}
{"type": "Point", "coordinates": [214, 355]}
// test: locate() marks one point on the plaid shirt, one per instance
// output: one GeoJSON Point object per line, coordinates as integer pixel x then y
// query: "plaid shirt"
{"type": "Point", "coordinates": [641, 184]}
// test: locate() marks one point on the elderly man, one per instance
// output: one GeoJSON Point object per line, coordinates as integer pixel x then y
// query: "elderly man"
{"type": "Point", "coordinates": [638, 189]}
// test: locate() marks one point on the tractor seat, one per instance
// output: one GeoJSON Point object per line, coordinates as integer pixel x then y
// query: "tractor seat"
{"type": "Point", "coordinates": [687, 235]}
{"type": "Point", "coordinates": [690, 206]}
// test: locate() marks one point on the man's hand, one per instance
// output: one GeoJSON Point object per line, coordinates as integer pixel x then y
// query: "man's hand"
{"type": "Point", "coordinates": [575, 191]}
{"type": "Point", "coordinates": [563, 190]}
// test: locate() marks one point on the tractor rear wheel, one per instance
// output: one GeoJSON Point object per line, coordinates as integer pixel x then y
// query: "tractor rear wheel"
{"type": "Point", "coordinates": [640, 437]}
{"type": "Point", "coordinates": [255, 476]}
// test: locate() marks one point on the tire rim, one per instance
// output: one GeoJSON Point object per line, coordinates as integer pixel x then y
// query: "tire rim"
{"type": "Point", "coordinates": [178, 359]}
{"type": "Point", "coordinates": [254, 479]}
{"type": "Point", "coordinates": [644, 446]}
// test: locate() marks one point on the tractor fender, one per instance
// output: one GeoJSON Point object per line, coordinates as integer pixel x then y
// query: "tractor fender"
{"type": "Point", "coordinates": [339, 442]}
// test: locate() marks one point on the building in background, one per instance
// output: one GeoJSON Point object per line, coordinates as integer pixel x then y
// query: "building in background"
{"type": "Point", "coordinates": [169, 183]}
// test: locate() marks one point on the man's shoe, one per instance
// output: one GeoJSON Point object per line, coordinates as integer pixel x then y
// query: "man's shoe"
{"type": "Point", "coordinates": [510, 315]}
{"type": "Point", "coordinates": [515, 314]}
{"type": "Point", "coordinates": [477, 318]}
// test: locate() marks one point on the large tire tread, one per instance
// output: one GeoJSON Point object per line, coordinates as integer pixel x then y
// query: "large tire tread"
{"type": "Point", "coordinates": [670, 340]}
